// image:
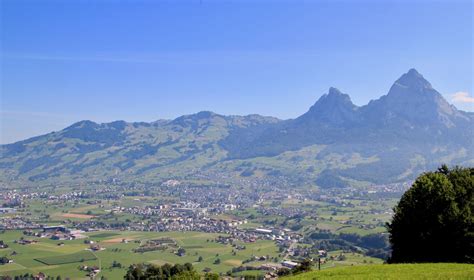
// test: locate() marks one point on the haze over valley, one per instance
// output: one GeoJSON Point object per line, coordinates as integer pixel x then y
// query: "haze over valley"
{"type": "Point", "coordinates": [335, 143]}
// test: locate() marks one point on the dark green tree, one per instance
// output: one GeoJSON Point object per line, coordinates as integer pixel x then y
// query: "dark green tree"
{"type": "Point", "coordinates": [164, 272]}
{"type": "Point", "coordinates": [211, 276]}
{"type": "Point", "coordinates": [135, 272]}
{"type": "Point", "coordinates": [304, 266]}
{"type": "Point", "coordinates": [434, 219]}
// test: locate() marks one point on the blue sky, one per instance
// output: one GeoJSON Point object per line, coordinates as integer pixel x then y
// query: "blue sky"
{"type": "Point", "coordinates": [65, 61]}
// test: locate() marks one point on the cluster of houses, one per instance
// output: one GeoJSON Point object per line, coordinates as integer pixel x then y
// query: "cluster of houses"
{"type": "Point", "coordinates": [24, 241]}
{"type": "Point", "coordinates": [157, 244]}
{"type": "Point", "coordinates": [92, 270]}
{"type": "Point", "coordinates": [17, 222]}
{"type": "Point", "coordinates": [53, 232]}
{"type": "Point", "coordinates": [93, 246]}
{"type": "Point", "coordinates": [282, 211]}
{"type": "Point", "coordinates": [278, 234]}
{"type": "Point", "coordinates": [173, 217]}
{"type": "Point", "coordinates": [7, 210]}
{"type": "Point", "coordinates": [59, 232]}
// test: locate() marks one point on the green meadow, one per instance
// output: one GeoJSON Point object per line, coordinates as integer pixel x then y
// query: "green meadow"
{"type": "Point", "coordinates": [47, 257]}
{"type": "Point", "coordinates": [392, 271]}
{"type": "Point", "coordinates": [80, 256]}
{"type": "Point", "coordinates": [103, 235]}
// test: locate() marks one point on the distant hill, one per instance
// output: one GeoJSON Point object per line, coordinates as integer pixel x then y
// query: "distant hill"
{"type": "Point", "coordinates": [336, 143]}
{"type": "Point", "coordinates": [392, 271]}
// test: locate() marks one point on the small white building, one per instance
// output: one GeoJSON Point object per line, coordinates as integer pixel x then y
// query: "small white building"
{"type": "Point", "coordinates": [263, 231]}
{"type": "Point", "coordinates": [289, 264]}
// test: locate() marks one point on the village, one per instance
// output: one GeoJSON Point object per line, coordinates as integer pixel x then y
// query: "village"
{"type": "Point", "coordinates": [241, 219]}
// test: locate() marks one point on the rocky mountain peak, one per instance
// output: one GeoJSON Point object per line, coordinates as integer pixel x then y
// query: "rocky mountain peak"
{"type": "Point", "coordinates": [414, 102]}
{"type": "Point", "coordinates": [334, 97]}
{"type": "Point", "coordinates": [334, 107]}
{"type": "Point", "coordinates": [413, 81]}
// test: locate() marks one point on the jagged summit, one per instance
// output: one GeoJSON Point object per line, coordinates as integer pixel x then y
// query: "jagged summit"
{"type": "Point", "coordinates": [334, 97]}
{"type": "Point", "coordinates": [334, 107]}
{"type": "Point", "coordinates": [412, 102]}
{"type": "Point", "coordinates": [412, 80]}
{"type": "Point", "coordinates": [334, 91]}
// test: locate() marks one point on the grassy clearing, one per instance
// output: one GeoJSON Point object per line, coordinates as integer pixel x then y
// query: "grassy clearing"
{"type": "Point", "coordinates": [393, 271]}
{"type": "Point", "coordinates": [10, 267]}
{"type": "Point", "coordinates": [81, 256]}
{"type": "Point", "coordinates": [351, 259]}
{"type": "Point", "coordinates": [77, 216]}
{"type": "Point", "coordinates": [104, 235]}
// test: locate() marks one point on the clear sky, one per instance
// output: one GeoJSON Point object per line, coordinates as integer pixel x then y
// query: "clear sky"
{"type": "Point", "coordinates": [104, 60]}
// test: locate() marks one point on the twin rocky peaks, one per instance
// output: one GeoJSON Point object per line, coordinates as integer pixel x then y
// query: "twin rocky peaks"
{"type": "Point", "coordinates": [391, 139]}
{"type": "Point", "coordinates": [411, 98]}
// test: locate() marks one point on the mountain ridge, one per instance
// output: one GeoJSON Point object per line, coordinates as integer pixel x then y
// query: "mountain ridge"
{"type": "Point", "coordinates": [406, 131]}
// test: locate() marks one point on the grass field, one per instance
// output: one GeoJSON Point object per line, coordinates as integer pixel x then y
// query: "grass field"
{"type": "Point", "coordinates": [350, 260]}
{"type": "Point", "coordinates": [46, 256]}
{"type": "Point", "coordinates": [77, 216]}
{"type": "Point", "coordinates": [103, 235]}
{"type": "Point", "coordinates": [392, 271]}
{"type": "Point", "coordinates": [71, 258]}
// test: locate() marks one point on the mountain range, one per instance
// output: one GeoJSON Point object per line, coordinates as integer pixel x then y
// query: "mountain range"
{"type": "Point", "coordinates": [334, 144]}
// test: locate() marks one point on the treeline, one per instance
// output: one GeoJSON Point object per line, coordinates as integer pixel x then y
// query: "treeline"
{"type": "Point", "coordinates": [375, 245]}
{"type": "Point", "coordinates": [166, 272]}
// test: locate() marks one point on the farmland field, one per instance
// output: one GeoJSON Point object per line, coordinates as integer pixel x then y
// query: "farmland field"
{"type": "Point", "coordinates": [46, 256]}
{"type": "Point", "coordinates": [78, 216]}
{"type": "Point", "coordinates": [359, 216]}
{"type": "Point", "coordinates": [103, 235]}
{"type": "Point", "coordinates": [71, 258]}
